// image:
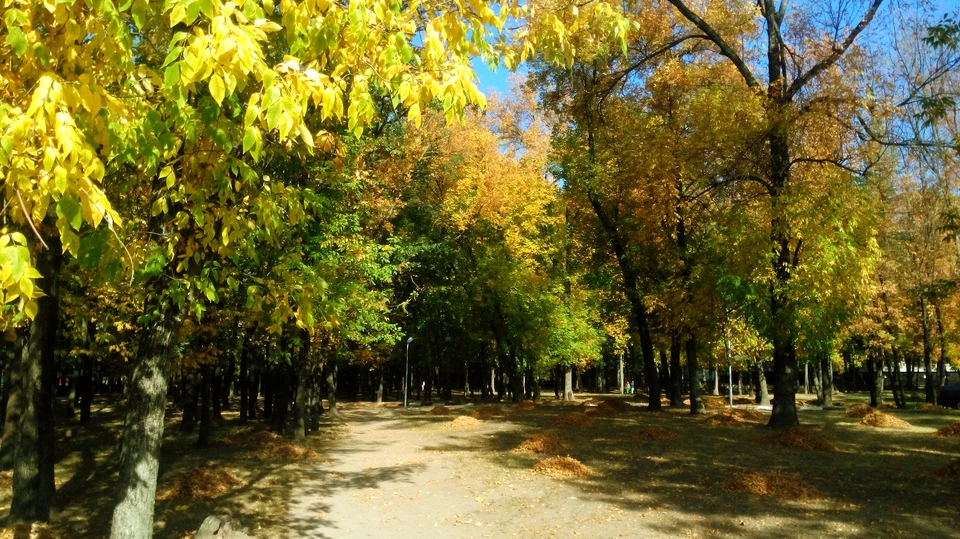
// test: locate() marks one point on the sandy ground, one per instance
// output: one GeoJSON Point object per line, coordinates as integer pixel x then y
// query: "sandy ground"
{"type": "Point", "coordinates": [405, 473]}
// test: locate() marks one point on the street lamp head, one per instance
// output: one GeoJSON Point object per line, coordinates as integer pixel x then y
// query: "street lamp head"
{"type": "Point", "coordinates": [409, 340]}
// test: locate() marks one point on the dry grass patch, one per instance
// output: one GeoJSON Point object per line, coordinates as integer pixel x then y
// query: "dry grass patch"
{"type": "Point", "coordinates": [573, 419]}
{"type": "Point", "coordinates": [803, 438]}
{"type": "Point", "coordinates": [526, 406]}
{"type": "Point", "coordinates": [465, 422]}
{"type": "Point", "coordinates": [486, 412]}
{"type": "Point", "coordinates": [541, 443]}
{"type": "Point", "coordinates": [562, 468]}
{"type": "Point", "coordinates": [776, 484]}
{"type": "Point", "coordinates": [883, 421]}
{"type": "Point", "coordinates": [653, 433]}
{"type": "Point", "coordinates": [950, 431]}
{"type": "Point", "coordinates": [201, 483]}
{"type": "Point", "coordinates": [440, 410]}
{"type": "Point", "coordinates": [272, 446]}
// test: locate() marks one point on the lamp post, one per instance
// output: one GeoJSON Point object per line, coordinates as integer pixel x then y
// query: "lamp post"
{"type": "Point", "coordinates": [406, 373]}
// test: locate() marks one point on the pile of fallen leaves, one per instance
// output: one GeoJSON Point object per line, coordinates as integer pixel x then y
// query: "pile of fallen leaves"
{"type": "Point", "coordinates": [464, 422]}
{"type": "Point", "coordinates": [562, 468]}
{"type": "Point", "coordinates": [743, 400]}
{"type": "Point", "coordinates": [710, 403]}
{"type": "Point", "coordinates": [486, 412]}
{"type": "Point", "coordinates": [526, 406]}
{"type": "Point", "coordinates": [652, 434]}
{"type": "Point", "coordinates": [746, 415]}
{"type": "Point", "coordinates": [440, 410]}
{"type": "Point", "coordinates": [950, 431]}
{"type": "Point", "coordinates": [798, 438]}
{"type": "Point", "coordinates": [29, 531]}
{"type": "Point", "coordinates": [777, 484]}
{"type": "Point", "coordinates": [604, 409]}
{"type": "Point", "coordinates": [950, 471]}
{"type": "Point", "coordinates": [722, 420]}
{"type": "Point", "coordinates": [271, 446]}
{"type": "Point", "coordinates": [573, 419]}
{"type": "Point", "coordinates": [619, 405]}
{"type": "Point", "coordinates": [201, 483]}
{"type": "Point", "coordinates": [859, 410]}
{"type": "Point", "coordinates": [883, 421]}
{"type": "Point", "coordinates": [930, 407]}
{"type": "Point", "coordinates": [6, 480]}
{"type": "Point", "coordinates": [540, 443]}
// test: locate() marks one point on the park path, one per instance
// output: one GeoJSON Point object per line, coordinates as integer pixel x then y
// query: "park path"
{"type": "Point", "coordinates": [392, 475]}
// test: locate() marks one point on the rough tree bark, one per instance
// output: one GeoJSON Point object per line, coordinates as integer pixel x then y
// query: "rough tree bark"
{"type": "Point", "coordinates": [143, 427]}
{"type": "Point", "coordinates": [33, 458]}
{"type": "Point", "coordinates": [14, 408]}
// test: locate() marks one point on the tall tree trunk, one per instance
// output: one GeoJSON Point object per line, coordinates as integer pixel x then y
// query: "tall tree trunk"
{"type": "Point", "coordinates": [216, 383]}
{"type": "Point", "coordinates": [763, 395]}
{"type": "Point", "coordinates": [943, 360]}
{"type": "Point", "coordinates": [14, 407]}
{"type": "Point", "coordinates": [826, 377]}
{"type": "Point", "coordinates": [245, 378]}
{"type": "Point", "coordinates": [191, 394]}
{"type": "Point", "coordinates": [380, 384]}
{"type": "Point", "coordinates": [676, 380]}
{"type": "Point", "coordinates": [331, 381]}
{"type": "Point", "coordinates": [203, 439]}
{"type": "Point", "coordinates": [664, 370]}
{"type": "Point", "coordinates": [86, 377]}
{"type": "Point", "coordinates": [696, 402]}
{"type": "Point", "coordinates": [875, 373]}
{"type": "Point", "coordinates": [280, 381]}
{"type": "Point", "coordinates": [33, 459]}
{"type": "Point", "coordinates": [227, 383]}
{"type": "Point", "coordinates": [716, 381]}
{"type": "Point", "coordinates": [896, 386]}
{"type": "Point", "coordinates": [929, 381]}
{"type": "Point", "coordinates": [568, 384]}
{"type": "Point", "coordinates": [301, 399]}
{"type": "Point", "coordinates": [143, 427]}
{"type": "Point", "coordinates": [817, 381]}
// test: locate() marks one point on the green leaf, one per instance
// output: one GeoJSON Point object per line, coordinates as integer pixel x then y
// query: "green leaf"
{"type": "Point", "coordinates": [17, 41]}
{"type": "Point", "coordinates": [171, 75]}
{"type": "Point", "coordinates": [69, 208]}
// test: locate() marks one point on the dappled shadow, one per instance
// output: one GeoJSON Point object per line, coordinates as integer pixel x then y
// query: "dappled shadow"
{"type": "Point", "coordinates": [877, 481]}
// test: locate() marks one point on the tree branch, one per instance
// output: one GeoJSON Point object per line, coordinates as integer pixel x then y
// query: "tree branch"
{"type": "Point", "coordinates": [824, 64]}
{"type": "Point", "coordinates": [725, 48]}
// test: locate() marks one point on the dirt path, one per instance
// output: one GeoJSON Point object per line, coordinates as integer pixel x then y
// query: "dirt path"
{"type": "Point", "coordinates": [394, 476]}
{"type": "Point", "coordinates": [406, 473]}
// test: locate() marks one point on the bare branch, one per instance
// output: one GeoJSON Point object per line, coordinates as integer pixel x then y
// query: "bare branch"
{"type": "Point", "coordinates": [834, 56]}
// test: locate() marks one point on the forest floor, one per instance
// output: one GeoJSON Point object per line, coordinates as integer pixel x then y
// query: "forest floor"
{"type": "Point", "coordinates": [384, 471]}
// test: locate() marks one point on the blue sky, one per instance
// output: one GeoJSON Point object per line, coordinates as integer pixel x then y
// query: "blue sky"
{"type": "Point", "coordinates": [497, 80]}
